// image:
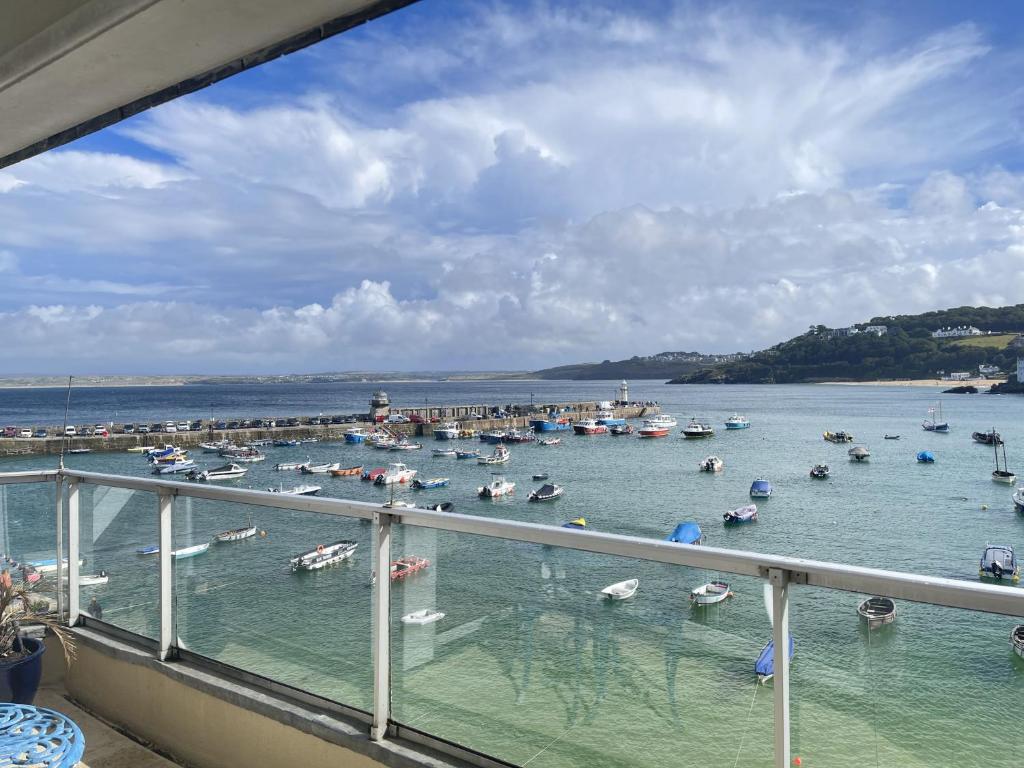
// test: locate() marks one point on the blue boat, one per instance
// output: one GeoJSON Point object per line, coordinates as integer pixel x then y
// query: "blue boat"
{"type": "Point", "coordinates": [355, 435]}
{"type": "Point", "coordinates": [467, 454]}
{"type": "Point", "coordinates": [285, 443]}
{"type": "Point", "coordinates": [543, 425]}
{"type": "Point", "coordinates": [152, 549]}
{"type": "Point", "coordinates": [760, 489]}
{"type": "Point", "coordinates": [609, 419]}
{"type": "Point", "coordinates": [436, 482]}
{"type": "Point", "coordinates": [926, 457]}
{"type": "Point", "coordinates": [765, 664]}
{"type": "Point", "coordinates": [686, 533]}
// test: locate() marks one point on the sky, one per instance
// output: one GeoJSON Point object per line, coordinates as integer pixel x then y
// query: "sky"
{"type": "Point", "coordinates": [517, 185]}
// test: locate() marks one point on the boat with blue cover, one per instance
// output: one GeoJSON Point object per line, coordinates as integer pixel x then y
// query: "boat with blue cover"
{"type": "Point", "coordinates": [765, 664]}
{"type": "Point", "coordinates": [550, 425]}
{"type": "Point", "coordinates": [926, 457]}
{"type": "Point", "coordinates": [760, 489]}
{"type": "Point", "coordinates": [686, 533]}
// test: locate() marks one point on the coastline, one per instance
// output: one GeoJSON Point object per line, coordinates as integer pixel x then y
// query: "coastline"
{"type": "Point", "coordinates": [917, 383]}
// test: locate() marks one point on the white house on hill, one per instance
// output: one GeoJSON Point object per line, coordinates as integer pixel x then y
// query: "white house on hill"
{"type": "Point", "coordinates": [960, 330]}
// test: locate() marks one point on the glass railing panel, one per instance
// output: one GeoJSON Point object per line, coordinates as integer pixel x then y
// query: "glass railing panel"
{"type": "Point", "coordinates": [936, 687]}
{"type": "Point", "coordinates": [28, 537]}
{"type": "Point", "coordinates": [239, 602]}
{"type": "Point", "coordinates": [533, 665]}
{"type": "Point", "coordinates": [118, 584]}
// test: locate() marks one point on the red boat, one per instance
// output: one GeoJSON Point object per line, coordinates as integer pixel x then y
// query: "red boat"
{"type": "Point", "coordinates": [653, 430]}
{"type": "Point", "coordinates": [404, 566]}
{"type": "Point", "coordinates": [589, 427]}
{"type": "Point", "coordinates": [373, 474]}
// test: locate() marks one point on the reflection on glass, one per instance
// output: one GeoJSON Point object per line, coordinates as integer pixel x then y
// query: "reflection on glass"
{"type": "Point", "coordinates": [240, 602]}
{"type": "Point", "coordinates": [533, 664]}
{"type": "Point", "coordinates": [28, 537]}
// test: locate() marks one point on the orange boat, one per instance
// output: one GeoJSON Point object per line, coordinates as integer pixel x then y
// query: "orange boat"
{"type": "Point", "coordinates": [404, 566]}
{"type": "Point", "coordinates": [347, 471]}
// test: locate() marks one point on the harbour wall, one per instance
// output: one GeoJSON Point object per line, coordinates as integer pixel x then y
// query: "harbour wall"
{"type": "Point", "coordinates": [13, 447]}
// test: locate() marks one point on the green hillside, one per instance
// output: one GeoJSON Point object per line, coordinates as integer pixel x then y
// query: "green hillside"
{"type": "Point", "coordinates": [661, 366]}
{"type": "Point", "coordinates": [906, 351]}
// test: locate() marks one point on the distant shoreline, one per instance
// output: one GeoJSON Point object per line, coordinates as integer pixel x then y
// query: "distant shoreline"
{"type": "Point", "coordinates": [178, 383]}
{"type": "Point", "coordinates": [917, 383]}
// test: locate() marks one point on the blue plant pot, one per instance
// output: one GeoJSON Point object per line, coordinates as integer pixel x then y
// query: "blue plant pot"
{"type": "Point", "coordinates": [19, 678]}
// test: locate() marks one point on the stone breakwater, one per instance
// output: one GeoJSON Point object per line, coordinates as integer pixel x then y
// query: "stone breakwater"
{"type": "Point", "coordinates": [121, 442]}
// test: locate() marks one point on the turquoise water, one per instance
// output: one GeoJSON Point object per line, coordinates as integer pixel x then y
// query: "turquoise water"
{"type": "Point", "coordinates": [530, 665]}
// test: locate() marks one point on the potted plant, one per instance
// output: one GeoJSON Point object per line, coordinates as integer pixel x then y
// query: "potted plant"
{"type": "Point", "coordinates": [21, 658]}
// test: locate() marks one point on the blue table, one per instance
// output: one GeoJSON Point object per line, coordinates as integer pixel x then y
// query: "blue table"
{"type": "Point", "coordinates": [38, 736]}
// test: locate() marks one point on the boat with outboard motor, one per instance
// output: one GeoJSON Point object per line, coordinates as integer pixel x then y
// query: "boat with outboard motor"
{"type": "Point", "coordinates": [1017, 640]}
{"type": "Point", "coordinates": [746, 514]}
{"type": "Point", "coordinates": [652, 429]}
{"type": "Point", "coordinates": [498, 486]}
{"type": "Point", "coordinates": [346, 471]}
{"type": "Point", "coordinates": [550, 441]}
{"type": "Point", "coordinates": [395, 473]}
{"type": "Point", "coordinates": [319, 469]}
{"type": "Point", "coordinates": [433, 482]}
{"type": "Point", "coordinates": [174, 467]}
{"type": "Point", "coordinates": [230, 471]}
{"type": "Point", "coordinates": [859, 453]}
{"type": "Point", "coordinates": [760, 489]}
{"type": "Point", "coordinates": [838, 437]}
{"type": "Point", "coordinates": [501, 455]}
{"type": "Point", "coordinates": [298, 490]}
{"type": "Point", "coordinates": [450, 430]}
{"type": "Point", "coordinates": [711, 464]}
{"type": "Point", "coordinates": [820, 471]}
{"type": "Point", "coordinates": [547, 492]}
{"type": "Point", "coordinates": [621, 429]}
{"type": "Point", "coordinates": [999, 562]}
{"type": "Point", "coordinates": [323, 555]}
{"type": "Point", "coordinates": [425, 616]}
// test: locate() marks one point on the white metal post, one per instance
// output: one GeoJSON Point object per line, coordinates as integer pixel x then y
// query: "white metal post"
{"type": "Point", "coordinates": [73, 549]}
{"type": "Point", "coordinates": [382, 628]}
{"type": "Point", "coordinates": [60, 547]}
{"type": "Point", "coordinates": [779, 579]}
{"type": "Point", "coordinates": [166, 505]}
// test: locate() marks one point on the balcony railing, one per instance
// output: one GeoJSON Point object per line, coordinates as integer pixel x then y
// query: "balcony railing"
{"type": "Point", "coordinates": [526, 636]}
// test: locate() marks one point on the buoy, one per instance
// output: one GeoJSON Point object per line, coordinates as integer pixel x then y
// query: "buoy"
{"type": "Point", "coordinates": [797, 761]}
{"type": "Point", "coordinates": [263, 533]}
{"type": "Point", "coordinates": [984, 506]}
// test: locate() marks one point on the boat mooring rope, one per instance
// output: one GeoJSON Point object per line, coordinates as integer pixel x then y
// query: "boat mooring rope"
{"type": "Point", "coordinates": [874, 702]}
{"type": "Point", "coordinates": [744, 734]}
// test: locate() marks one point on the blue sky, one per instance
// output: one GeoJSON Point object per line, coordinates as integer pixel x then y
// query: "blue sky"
{"type": "Point", "coordinates": [517, 185]}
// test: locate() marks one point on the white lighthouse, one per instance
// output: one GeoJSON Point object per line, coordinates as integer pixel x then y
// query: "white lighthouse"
{"type": "Point", "coordinates": [624, 392]}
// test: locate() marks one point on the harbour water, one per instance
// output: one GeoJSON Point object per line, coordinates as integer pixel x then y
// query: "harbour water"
{"type": "Point", "coordinates": [529, 664]}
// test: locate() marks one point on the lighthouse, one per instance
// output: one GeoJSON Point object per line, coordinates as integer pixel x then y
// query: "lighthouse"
{"type": "Point", "coordinates": [624, 392]}
{"type": "Point", "coordinates": [380, 406]}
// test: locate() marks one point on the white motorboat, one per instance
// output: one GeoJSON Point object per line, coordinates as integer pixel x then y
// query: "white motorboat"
{"type": "Point", "coordinates": [711, 464]}
{"type": "Point", "coordinates": [426, 616]}
{"type": "Point", "coordinates": [498, 486]}
{"type": "Point", "coordinates": [227, 472]}
{"type": "Point", "coordinates": [48, 566]}
{"type": "Point", "coordinates": [622, 590]}
{"type": "Point", "coordinates": [710, 593]}
{"type": "Point", "coordinates": [298, 490]}
{"type": "Point", "coordinates": [246, 454]}
{"type": "Point", "coordinates": [1018, 498]}
{"type": "Point", "coordinates": [289, 465]}
{"type": "Point", "coordinates": [747, 514]}
{"type": "Point", "coordinates": [216, 447]}
{"type": "Point", "coordinates": [237, 534]}
{"type": "Point", "coordinates": [663, 420]}
{"type": "Point", "coordinates": [1017, 640]}
{"type": "Point", "coordinates": [319, 469]}
{"type": "Point", "coordinates": [737, 422]}
{"type": "Point", "coordinates": [444, 452]}
{"type": "Point", "coordinates": [396, 473]}
{"type": "Point", "coordinates": [448, 431]}
{"type": "Point", "coordinates": [500, 456]}
{"type": "Point", "coordinates": [90, 579]}
{"type": "Point", "coordinates": [323, 555]}
{"type": "Point", "coordinates": [550, 441]}
{"type": "Point", "coordinates": [174, 467]}
{"type": "Point", "coordinates": [196, 549]}
{"type": "Point", "coordinates": [877, 611]}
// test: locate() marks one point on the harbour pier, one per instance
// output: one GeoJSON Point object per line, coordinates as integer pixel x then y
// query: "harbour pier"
{"type": "Point", "coordinates": [422, 423]}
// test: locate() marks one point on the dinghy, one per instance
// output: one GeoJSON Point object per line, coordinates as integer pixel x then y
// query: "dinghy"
{"type": "Point", "coordinates": [999, 562]}
{"type": "Point", "coordinates": [445, 506]}
{"type": "Point", "coordinates": [426, 616]}
{"type": "Point", "coordinates": [237, 534]}
{"type": "Point", "coordinates": [444, 452]}
{"type": "Point", "coordinates": [289, 465]}
{"type": "Point", "coordinates": [93, 579]}
{"type": "Point", "coordinates": [467, 454]}
{"type": "Point", "coordinates": [346, 471]}
{"type": "Point", "coordinates": [686, 533]}
{"type": "Point", "coordinates": [433, 482]}
{"type": "Point", "coordinates": [540, 476]}
{"type": "Point", "coordinates": [892, 437]}
{"type": "Point", "coordinates": [298, 490]}
{"type": "Point", "coordinates": [622, 590]}
{"type": "Point", "coordinates": [747, 514]}
{"type": "Point", "coordinates": [710, 593]}
{"type": "Point", "coordinates": [551, 441]}
{"type": "Point", "coordinates": [547, 492]}
{"type": "Point", "coordinates": [765, 664]}
{"type": "Point", "coordinates": [196, 549]}
{"type": "Point", "coordinates": [877, 611]}
{"type": "Point", "coordinates": [318, 469]}
{"type": "Point", "coordinates": [1017, 640]}
{"type": "Point", "coordinates": [152, 549]}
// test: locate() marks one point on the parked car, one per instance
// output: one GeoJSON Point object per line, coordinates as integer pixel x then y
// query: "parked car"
{"type": "Point", "coordinates": [293, 422]}
{"type": "Point", "coordinates": [40, 433]}
{"type": "Point", "coordinates": [221, 425]}
{"type": "Point", "coordinates": [170, 426]}
{"type": "Point", "coordinates": [182, 426]}
{"type": "Point", "coordinates": [195, 426]}
{"type": "Point", "coordinates": [25, 433]}
{"type": "Point", "coordinates": [337, 419]}
{"type": "Point", "coordinates": [156, 428]}
{"type": "Point", "coordinates": [10, 431]}
{"type": "Point", "coordinates": [85, 430]}
{"type": "Point", "coordinates": [474, 416]}
{"type": "Point", "coordinates": [129, 429]}
{"type": "Point", "coordinates": [397, 418]}
{"type": "Point", "coordinates": [101, 430]}
{"type": "Point", "coordinates": [351, 419]}
{"type": "Point", "coordinates": [232, 425]}
{"type": "Point", "coordinates": [417, 419]}
{"type": "Point", "coordinates": [244, 424]}
{"type": "Point", "coordinates": [70, 430]}
{"type": "Point", "coordinates": [142, 429]}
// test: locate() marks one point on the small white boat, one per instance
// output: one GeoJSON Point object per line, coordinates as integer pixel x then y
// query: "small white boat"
{"type": "Point", "coordinates": [877, 611]}
{"type": "Point", "coordinates": [711, 464]}
{"type": "Point", "coordinates": [298, 490]}
{"type": "Point", "coordinates": [710, 593]}
{"type": "Point", "coordinates": [322, 556]}
{"type": "Point", "coordinates": [289, 465]}
{"type": "Point", "coordinates": [737, 422]}
{"type": "Point", "coordinates": [501, 455]}
{"type": "Point", "coordinates": [426, 616]}
{"type": "Point", "coordinates": [196, 549]}
{"type": "Point", "coordinates": [498, 486]}
{"type": "Point", "coordinates": [663, 420]}
{"type": "Point", "coordinates": [91, 579]}
{"type": "Point", "coordinates": [174, 467]}
{"type": "Point", "coordinates": [227, 472]}
{"type": "Point", "coordinates": [747, 514]}
{"type": "Point", "coordinates": [319, 469]}
{"type": "Point", "coordinates": [237, 534]}
{"type": "Point", "coordinates": [1017, 640]}
{"type": "Point", "coordinates": [444, 452]}
{"type": "Point", "coordinates": [396, 473]}
{"type": "Point", "coordinates": [1018, 498]}
{"type": "Point", "coordinates": [550, 441]}
{"type": "Point", "coordinates": [622, 590]}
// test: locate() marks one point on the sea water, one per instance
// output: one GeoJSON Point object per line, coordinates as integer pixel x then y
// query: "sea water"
{"type": "Point", "coordinates": [530, 664]}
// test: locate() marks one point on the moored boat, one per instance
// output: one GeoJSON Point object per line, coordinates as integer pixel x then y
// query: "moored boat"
{"type": "Point", "coordinates": [589, 427]}
{"type": "Point", "coordinates": [737, 422]}
{"type": "Point", "coordinates": [433, 482]}
{"type": "Point", "coordinates": [196, 549]}
{"type": "Point", "coordinates": [891, 437]}
{"type": "Point", "coordinates": [579, 522]}
{"type": "Point", "coordinates": [987, 438]}
{"type": "Point", "coordinates": [622, 590]}
{"type": "Point", "coordinates": [697, 428]}
{"type": "Point", "coordinates": [622, 429]}
{"type": "Point", "coordinates": [174, 467]}
{"type": "Point", "coordinates": [859, 453]}
{"type": "Point", "coordinates": [547, 492]}
{"type": "Point", "coordinates": [711, 464]}
{"type": "Point", "coordinates": [501, 455]}
{"type": "Point", "coordinates": [356, 435]}
{"type": "Point", "coordinates": [651, 429]}
{"type": "Point", "coordinates": [346, 471]}
{"type": "Point", "coordinates": [285, 443]}
{"type": "Point", "coordinates": [549, 425]}
{"type": "Point", "coordinates": [820, 471]}
{"type": "Point", "coordinates": [498, 486]}
{"type": "Point", "coordinates": [289, 465]}
{"type": "Point", "coordinates": [406, 566]}
{"type": "Point", "coordinates": [425, 616]}
{"type": "Point", "coordinates": [450, 430]}
{"type": "Point", "coordinates": [926, 457]}
{"type": "Point", "coordinates": [246, 454]}
{"type": "Point", "coordinates": [935, 423]}
{"type": "Point", "coordinates": [609, 419]}
{"type": "Point", "coordinates": [230, 471]}
{"type": "Point", "coordinates": [686, 533]}
{"type": "Point", "coordinates": [323, 555]}
{"type": "Point", "coordinates": [760, 489]}
{"type": "Point", "coordinates": [877, 611]}
{"type": "Point", "coordinates": [999, 562]}
{"type": "Point", "coordinates": [467, 454]}
{"type": "Point", "coordinates": [838, 437]}
{"type": "Point", "coordinates": [298, 490]}
{"type": "Point", "coordinates": [1002, 474]}
{"type": "Point", "coordinates": [746, 514]}
{"type": "Point", "coordinates": [1017, 640]}
{"type": "Point", "coordinates": [764, 667]}
{"type": "Point", "coordinates": [372, 474]}
{"type": "Point", "coordinates": [235, 534]}
{"type": "Point", "coordinates": [710, 593]}
{"type": "Point", "coordinates": [444, 452]}
{"type": "Point", "coordinates": [664, 420]}
{"type": "Point", "coordinates": [395, 473]}
{"type": "Point", "coordinates": [1018, 499]}
{"type": "Point", "coordinates": [319, 469]}
{"type": "Point", "coordinates": [550, 441]}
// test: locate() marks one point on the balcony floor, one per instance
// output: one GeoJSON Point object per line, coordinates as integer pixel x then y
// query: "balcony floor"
{"type": "Point", "coordinates": [104, 747]}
